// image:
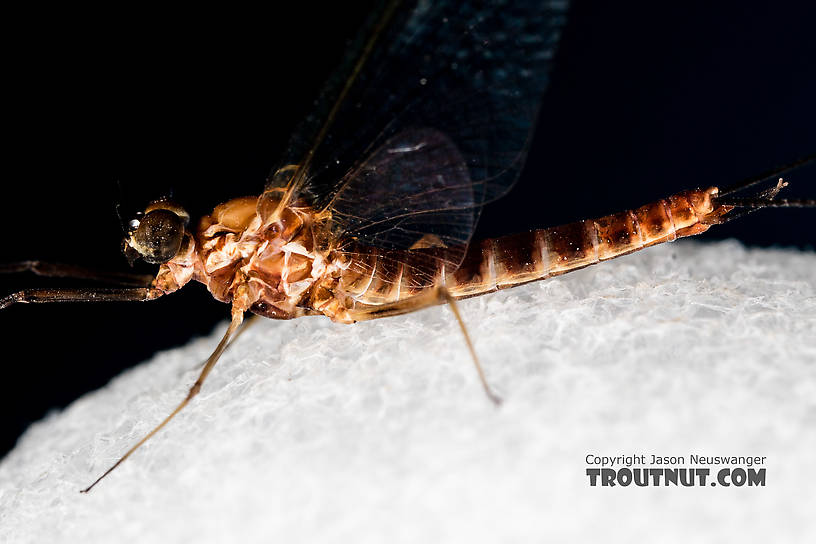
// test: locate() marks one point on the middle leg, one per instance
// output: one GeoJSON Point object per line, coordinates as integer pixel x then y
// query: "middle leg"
{"type": "Point", "coordinates": [431, 297]}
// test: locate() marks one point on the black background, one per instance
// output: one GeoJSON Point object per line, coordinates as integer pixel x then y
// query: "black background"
{"type": "Point", "coordinates": [647, 98]}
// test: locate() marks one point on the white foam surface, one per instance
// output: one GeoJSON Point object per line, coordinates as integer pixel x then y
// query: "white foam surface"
{"type": "Point", "coordinates": [309, 431]}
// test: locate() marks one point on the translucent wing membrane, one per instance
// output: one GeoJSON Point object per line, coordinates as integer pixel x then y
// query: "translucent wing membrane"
{"type": "Point", "coordinates": [428, 120]}
{"type": "Point", "coordinates": [419, 187]}
{"type": "Point", "coordinates": [414, 187]}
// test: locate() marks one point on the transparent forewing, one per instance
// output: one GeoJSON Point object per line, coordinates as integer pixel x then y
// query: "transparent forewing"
{"type": "Point", "coordinates": [415, 190]}
{"type": "Point", "coordinates": [429, 121]}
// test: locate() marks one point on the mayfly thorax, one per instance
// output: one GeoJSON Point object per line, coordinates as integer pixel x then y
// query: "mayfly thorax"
{"type": "Point", "coordinates": [441, 99]}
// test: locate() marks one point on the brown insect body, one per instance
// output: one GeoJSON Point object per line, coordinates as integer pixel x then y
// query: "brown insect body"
{"type": "Point", "coordinates": [263, 268]}
{"type": "Point", "coordinates": [428, 118]}
{"type": "Point", "coordinates": [539, 254]}
{"type": "Point", "coordinates": [281, 270]}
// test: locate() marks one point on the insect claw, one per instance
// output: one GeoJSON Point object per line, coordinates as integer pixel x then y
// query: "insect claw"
{"type": "Point", "coordinates": [494, 398]}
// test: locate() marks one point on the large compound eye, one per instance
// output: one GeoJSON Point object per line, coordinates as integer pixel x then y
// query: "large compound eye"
{"type": "Point", "coordinates": [158, 236]}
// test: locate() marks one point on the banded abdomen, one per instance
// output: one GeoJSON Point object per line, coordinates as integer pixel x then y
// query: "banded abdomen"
{"type": "Point", "coordinates": [378, 277]}
{"type": "Point", "coordinates": [539, 254]}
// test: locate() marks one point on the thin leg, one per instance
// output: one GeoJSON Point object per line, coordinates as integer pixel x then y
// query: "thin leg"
{"type": "Point", "coordinates": [245, 324]}
{"type": "Point", "coordinates": [489, 392]}
{"type": "Point", "coordinates": [429, 297]}
{"type": "Point", "coordinates": [59, 270]}
{"type": "Point", "coordinates": [237, 318]}
{"type": "Point", "coordinates": [432, 297]}
{"type": "Point", "coordinates": [41, 295]}
{"type": "Point", "coordinates": [248, 321]}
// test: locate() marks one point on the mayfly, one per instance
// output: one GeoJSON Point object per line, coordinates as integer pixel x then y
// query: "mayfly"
{"type": "Point", "coordinates": [371, 211]}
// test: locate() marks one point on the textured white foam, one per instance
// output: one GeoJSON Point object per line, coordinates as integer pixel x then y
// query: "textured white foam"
{"type": "Point", "coordinates": [309, 431]}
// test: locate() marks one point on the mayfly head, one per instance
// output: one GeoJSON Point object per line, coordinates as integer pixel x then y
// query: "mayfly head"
{"type": "Point", "coordinates": [156, 235]}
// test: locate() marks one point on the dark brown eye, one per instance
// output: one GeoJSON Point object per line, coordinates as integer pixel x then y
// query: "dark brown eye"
{"type": "Point", "coordinates": [159, 236]}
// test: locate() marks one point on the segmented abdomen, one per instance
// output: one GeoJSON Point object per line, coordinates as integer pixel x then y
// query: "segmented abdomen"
{"type": "Point", "coordinates": [504, 262]}
{"type": "Point", "coordinates": [382, 277]}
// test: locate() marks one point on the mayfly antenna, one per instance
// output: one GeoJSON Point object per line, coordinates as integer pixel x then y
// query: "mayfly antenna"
{"type": "Point", "coordinates": [118, 205]}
